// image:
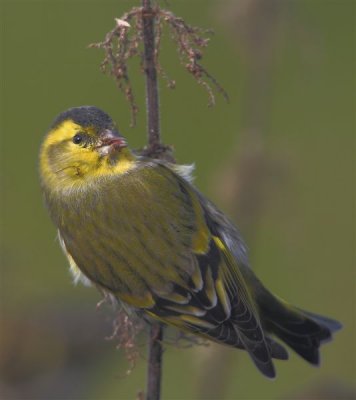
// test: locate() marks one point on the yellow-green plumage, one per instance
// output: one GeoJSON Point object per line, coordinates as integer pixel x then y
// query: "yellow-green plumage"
{"type": "Point", "coordinates": [139, 230]}
{"type": "Point", "coordinates": [134, 229]}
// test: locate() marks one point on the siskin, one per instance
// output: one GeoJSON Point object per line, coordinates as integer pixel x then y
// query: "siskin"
{"type": "Point", "coordinates": [137, 229]}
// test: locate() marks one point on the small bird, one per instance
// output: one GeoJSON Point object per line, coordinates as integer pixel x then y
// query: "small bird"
{"type": "Point", "coordinates": [138, 230]}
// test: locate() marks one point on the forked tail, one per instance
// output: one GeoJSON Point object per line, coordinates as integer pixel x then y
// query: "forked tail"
{"type": "Point", "coordinates": [303, 331]}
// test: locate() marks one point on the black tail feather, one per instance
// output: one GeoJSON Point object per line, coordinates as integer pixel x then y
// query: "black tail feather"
{"type": "Point", "coordinates": [331, 324]}
{"type": "Point", "coordinates": [303, 331]}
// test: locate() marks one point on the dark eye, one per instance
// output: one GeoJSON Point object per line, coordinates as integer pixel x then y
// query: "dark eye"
{"type": "Point", "coordinates": [78, 138]}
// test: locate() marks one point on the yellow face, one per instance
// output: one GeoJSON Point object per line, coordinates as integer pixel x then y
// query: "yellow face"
{"type": "Point", "coordinates": [71, 153]}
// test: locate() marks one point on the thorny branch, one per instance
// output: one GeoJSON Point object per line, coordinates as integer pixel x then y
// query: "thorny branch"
{"type": "Point", "coordinates": [125, 41]}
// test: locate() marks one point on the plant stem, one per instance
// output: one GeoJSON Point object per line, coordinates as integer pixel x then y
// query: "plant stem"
{"type": "Point", "coordinates": [152, 99]}
{"type": "Point", "coordinates": [154, 371]}
{"type": "Point", "coordinates": [154, 374]}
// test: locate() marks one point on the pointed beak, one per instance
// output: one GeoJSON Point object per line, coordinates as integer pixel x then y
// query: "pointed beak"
{"type": "Point", "coordinates": [110, 141]}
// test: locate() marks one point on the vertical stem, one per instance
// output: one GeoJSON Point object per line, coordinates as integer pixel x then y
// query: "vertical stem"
{"type": "Point", "coordinates": [153, 389]}
{"type": "Point", "coordinates": [152, 99]}
{"type": "Point", "coordinates": [154, 371]}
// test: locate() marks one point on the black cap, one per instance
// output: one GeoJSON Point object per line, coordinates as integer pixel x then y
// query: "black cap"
{"type": "Point", "coordinates": [85, 116]}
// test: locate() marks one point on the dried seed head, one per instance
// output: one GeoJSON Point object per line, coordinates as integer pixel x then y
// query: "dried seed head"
{"type": "Point", "coordinates": [125, 41]}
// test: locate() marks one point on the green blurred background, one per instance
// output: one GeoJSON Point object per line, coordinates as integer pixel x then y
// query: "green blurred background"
{"type": "Point", "coordinates": [278, 159]}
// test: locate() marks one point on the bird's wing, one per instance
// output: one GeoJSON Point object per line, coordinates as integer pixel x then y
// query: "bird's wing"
{"type": "Point", "coordinates": [219, 305]}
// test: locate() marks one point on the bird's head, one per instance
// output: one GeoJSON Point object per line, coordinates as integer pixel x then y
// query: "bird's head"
{"type": "Point", "coordinates": [82, 143]}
